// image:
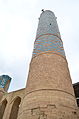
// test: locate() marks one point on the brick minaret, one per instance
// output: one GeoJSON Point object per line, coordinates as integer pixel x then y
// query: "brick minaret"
{"type": "Point", "coordinates": [49, 92]}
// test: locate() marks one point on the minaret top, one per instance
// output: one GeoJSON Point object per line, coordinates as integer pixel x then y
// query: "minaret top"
{"type": "Point", "coordinates": [47, 11]}
{"type": "Point", "coordinates": [47, 24]}
{"type": "Point", "coordinates": [48, 37]}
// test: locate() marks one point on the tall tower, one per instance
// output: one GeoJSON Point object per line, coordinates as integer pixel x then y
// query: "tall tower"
{"type": "Point", "coordinates": [49, 91]}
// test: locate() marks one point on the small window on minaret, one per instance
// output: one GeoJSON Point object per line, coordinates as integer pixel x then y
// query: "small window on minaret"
{"type": "Point", "coordinates": [50, 23]}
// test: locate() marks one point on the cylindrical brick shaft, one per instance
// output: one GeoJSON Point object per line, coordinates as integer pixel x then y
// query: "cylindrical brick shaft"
{"type": "Point", "coordinates": [49, 91]}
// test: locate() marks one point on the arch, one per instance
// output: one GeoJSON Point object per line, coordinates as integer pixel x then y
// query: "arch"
{"type": "Point", "coordinates": [78, 102]}
{"type": "Point", "coordinates": [2, 108]}
{"type": "Point", "coordinates": [15, 108]}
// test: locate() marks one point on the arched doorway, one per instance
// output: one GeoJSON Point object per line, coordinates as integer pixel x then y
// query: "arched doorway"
{"type": "Point", "coordinates": [2, 108]}
{"type": "Point", "coordinates": [15, 108]}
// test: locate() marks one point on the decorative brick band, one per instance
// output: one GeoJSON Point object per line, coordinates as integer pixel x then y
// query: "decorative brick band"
{"type": "Point", "coordinates": [49, 90]}
{"type": "Point", "coordinates": [50, 52]}
{"type": "Point", "coordinates": [48, 43]}
{"type": "Point", "coordinates": [48, 34]}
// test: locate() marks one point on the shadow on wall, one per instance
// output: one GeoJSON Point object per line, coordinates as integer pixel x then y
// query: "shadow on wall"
{"type": "Point", "coordinates": [2, 108]}
{"type": "Point", "coordinates": [76, 91]}
{"type": "Point", "coordinates": [15, 108]}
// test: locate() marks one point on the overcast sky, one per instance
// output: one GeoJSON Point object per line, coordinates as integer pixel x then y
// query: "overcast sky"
{"type": "Point", "coordinates": [18, 25]}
